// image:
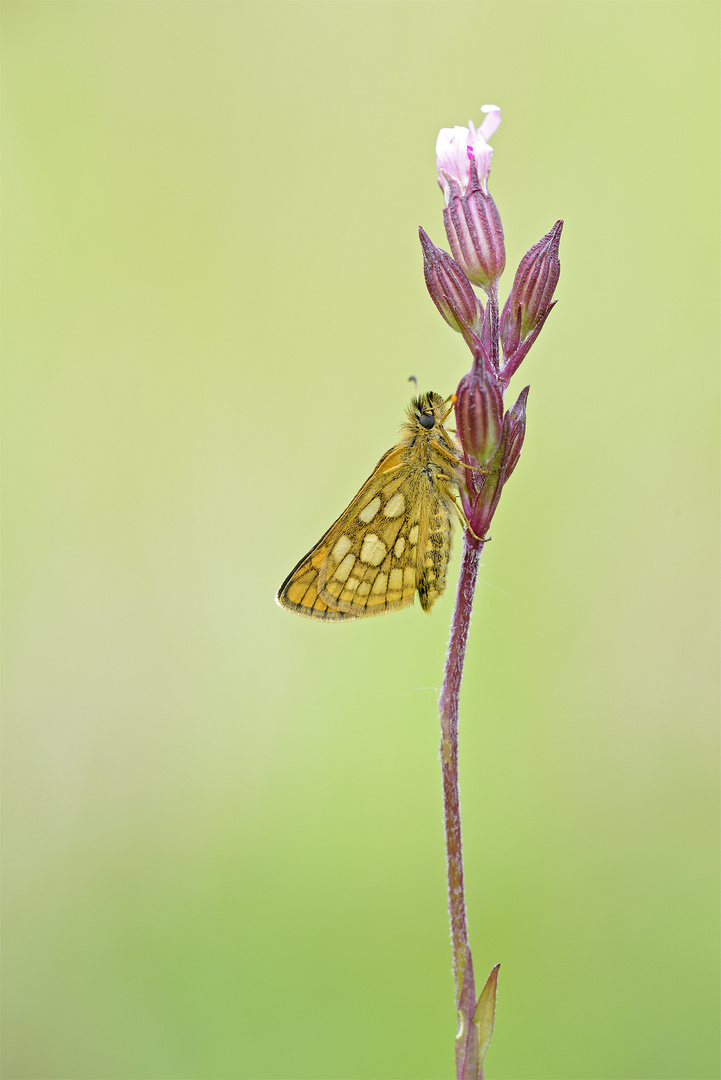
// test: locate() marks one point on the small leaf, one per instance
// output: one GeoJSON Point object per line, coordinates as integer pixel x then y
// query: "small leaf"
{"type": "Point", "coordinates": [485, 1015]}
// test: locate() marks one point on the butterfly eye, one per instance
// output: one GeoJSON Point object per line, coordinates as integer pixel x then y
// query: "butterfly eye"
{"type": "Point", "coordinates": [427, 421]}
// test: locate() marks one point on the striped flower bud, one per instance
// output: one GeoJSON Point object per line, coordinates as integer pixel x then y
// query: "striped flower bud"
{"type": "Point", "coordinates": [475, 234]}
{"type": "Point", "coordinates": [514, 423]}
{"type": "Point", "coordinates": [531, 297]}
{"type": "Point", "coordinates": [483, 487]}
{"type": "Point", "coordinates": [473, 226]}
{"type": "Point", "coordinates": [479, 414]}
{"type": "Point", "coordinates": [449, 288]}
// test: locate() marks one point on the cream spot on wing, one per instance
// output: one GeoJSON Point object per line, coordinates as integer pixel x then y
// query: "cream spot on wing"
{"type": "Point", "coordinates": [399, 548]}
{"type": "Point", "coordinates": [364, 588]}
{"type": "Point", "coordinates": [409, 576]}
{"type": "Point", "coordinates": [395, 505]}
{"type": "Point", "coordinates": [380, 584]}
{"type": "Point", "coordinates": [374, 550]}
{"type": "Point", "coordinates": [395, 579]}
{"type": "Point", "coordinates": [413, 536]}
{"type": "Point", "coordinates": [342, 571]}
{"type": "Point", "coordinates": [352, 584]}
{"type": "Point", "coordinates": [342, 548]}
{"type": "Point", "coordinates": [369, 512]}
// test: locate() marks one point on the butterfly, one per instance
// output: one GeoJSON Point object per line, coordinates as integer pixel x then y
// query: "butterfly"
{"type": "Point", "coordinates": [395, 537]}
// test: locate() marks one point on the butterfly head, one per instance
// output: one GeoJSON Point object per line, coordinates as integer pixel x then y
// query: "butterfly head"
{"type": "Point", "coordinates": [429, 410]}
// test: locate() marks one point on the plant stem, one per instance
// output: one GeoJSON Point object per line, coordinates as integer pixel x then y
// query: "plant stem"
{"type": "Point", "coordinates": [448, 712]}
{"type": "Point", "coordinates": [493, 323]}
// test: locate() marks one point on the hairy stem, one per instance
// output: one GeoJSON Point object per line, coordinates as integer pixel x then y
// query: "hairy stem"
{"type": "Point", "coordinates": [493, 324]}
{"type": "Point", "coordinates": [448, 712]}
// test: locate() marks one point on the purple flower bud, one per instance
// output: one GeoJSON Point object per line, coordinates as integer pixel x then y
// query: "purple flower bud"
{"type": "Point", "coordinates": [479, 414]}
{"type": "Point", "coordinates": [482, 491]}
{"type": "Point", "coordinates": [531, 297]}
{"type": "Point", "coordinates": [475, 233]}
{"type": "Point", "coordinates": [514, 423]}
{"type": "Point", "coordinates": [485, 504]}
{"type": "Point", "coordinates": [473, 227]}
{"type": "Point", "coordinates": [450, 289]}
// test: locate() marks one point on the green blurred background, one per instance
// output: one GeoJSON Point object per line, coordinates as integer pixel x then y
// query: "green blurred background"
{"type": "Point", "coordinates": [223, 838]}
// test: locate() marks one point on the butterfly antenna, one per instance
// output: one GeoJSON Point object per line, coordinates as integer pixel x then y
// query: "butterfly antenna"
{"type": "Point", "coordinates": [453, 399]}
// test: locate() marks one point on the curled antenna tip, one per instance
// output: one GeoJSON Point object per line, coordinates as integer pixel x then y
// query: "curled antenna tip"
{"type": "Point", "coordinates": [414, 380]}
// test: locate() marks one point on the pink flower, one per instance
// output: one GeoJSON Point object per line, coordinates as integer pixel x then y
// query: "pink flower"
{"type": "Point", "coordinates": [457, 147]}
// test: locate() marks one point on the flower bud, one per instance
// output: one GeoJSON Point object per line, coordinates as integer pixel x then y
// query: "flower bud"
{"type": "Point", "coordinates": [450, 289]}
{"type": "Point", "coordinates": [479, 414]}
{"type": "Point", "coordinates": [481, 499]}
{"type": "Point", "coordinates": [485, 503]}
{"type": "Point", "coordinates": [473, 227]}
{"type": "Point", "coordinates": [531, 297]}
{"type": "Point", "coordinates": [514, 427]}
{"type": "Point", "coordinates": [475, 234]}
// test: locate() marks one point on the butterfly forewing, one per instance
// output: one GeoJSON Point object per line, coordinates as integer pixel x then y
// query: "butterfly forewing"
{"type": "Point", "coordinates": [394, 537]}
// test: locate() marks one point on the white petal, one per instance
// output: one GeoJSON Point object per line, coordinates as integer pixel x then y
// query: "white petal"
{"type": "Point", "coordinates": [491, 122]}
{"type": "Point", "coordinates": [452, 153]}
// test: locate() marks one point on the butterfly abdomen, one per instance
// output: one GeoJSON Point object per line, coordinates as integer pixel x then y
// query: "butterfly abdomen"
{"type": "Point", "coordinates": [433, 556]}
